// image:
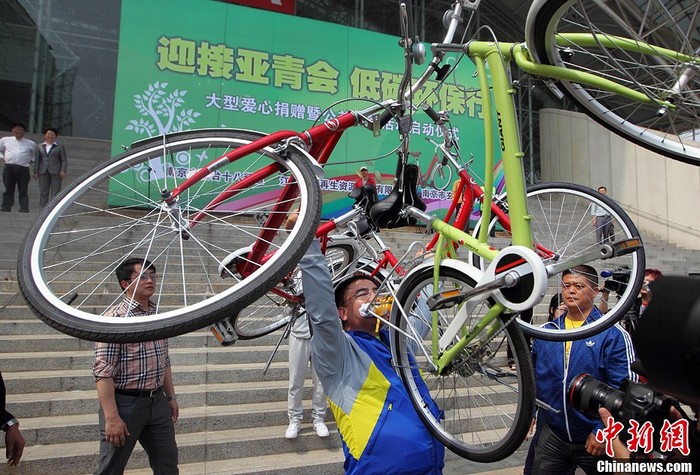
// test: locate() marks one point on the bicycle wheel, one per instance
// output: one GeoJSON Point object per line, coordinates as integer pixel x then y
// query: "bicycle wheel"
{"type": "Point", "coordinates": [562, 229]}
{"type": "Point", "coordinates": [273, 310]}
{"type": "Point", "coordinates": [442, 177]}
{"type": "Point", "coordinates": [68, 259]}
{"type": "Point", "coordinates": [664, 71]}
{"type": "Point", "coordinates": [485, 407]}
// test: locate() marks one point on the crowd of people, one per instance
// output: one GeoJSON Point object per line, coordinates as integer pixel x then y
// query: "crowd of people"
{"type": "Point", "coordinates": [46, 162]}
{"type": "Point", "coordinates": [351, 365]}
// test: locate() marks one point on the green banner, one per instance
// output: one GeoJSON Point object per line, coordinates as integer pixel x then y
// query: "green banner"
{"type": "Point", "coordinates": [220, 65]}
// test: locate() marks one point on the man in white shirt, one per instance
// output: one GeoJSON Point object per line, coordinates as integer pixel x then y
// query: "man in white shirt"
{"type": "Point", "coordinates": [17, 155]}
{"type": "Point", "coordinates": [602, 221]}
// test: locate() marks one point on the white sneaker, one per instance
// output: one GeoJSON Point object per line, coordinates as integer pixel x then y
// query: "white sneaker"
{"type": "Point", "coordinates": [321, 429]}
{"type": "Point", "coordinates": [292, 430]}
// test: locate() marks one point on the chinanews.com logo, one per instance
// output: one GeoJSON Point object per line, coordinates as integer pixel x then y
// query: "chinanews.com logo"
{"type": "Point", "coordinates": [617, 466]}
{"type": "Point", "coordinates": [672, 440]}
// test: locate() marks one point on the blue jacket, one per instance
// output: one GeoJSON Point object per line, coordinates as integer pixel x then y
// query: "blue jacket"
{"type": "Point", "coordinates": [606, 356]}
{"type": "Point", "coordinates": [381, 431]}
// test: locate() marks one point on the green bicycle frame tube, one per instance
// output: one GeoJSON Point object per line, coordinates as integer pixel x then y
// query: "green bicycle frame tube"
{"type": "Point", "coordinates": [522, 59]}
{"type": "Point", "coordinates": [508, 137]}
{"type": "Point", "coordinates": [489, 159]}
{"type": "Point", "coordinates": [589, 40]}
{"type": "Point", "coordinates": [455, 350]}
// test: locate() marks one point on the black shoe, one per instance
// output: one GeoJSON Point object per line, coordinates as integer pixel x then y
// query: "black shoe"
{"type": "Point", "coordinates": [22, 210]}
{"type": "Point", "coordinates": [5, 210]}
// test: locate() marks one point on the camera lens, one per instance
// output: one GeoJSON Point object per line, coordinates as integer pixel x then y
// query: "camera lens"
{"type": "Point", "coordinates": [587, 394]}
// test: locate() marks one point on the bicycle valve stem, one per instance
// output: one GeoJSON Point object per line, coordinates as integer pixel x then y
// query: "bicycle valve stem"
{"type": "Point", "coordinates": [380, 307]}
{"type": "Point", "coordinates": [365, 310]}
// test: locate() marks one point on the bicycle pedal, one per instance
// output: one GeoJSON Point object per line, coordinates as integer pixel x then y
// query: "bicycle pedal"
{"type": "Point", "coordinates": [261, 217]}
{"type": "Point", "coordinates": [224, 333]}
{"type": "Point", "coordinates": [626, 246]}
{"type": "Point", "coordinates": [445, 299]}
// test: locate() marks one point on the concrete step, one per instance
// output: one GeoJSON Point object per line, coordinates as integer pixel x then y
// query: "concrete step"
{"type": "Point", "coordinates": [313, 462]}
{"type": "Point", "coordinates": [61, 360]}
{"type": "Point", "coordinates": [26, 326]}
{"type": "Point", "coordinates": [202, 447]}
{"type": "Point", "coordinates": [65, 403]}
{"type": "Point", "coordinates": [73, 379]}
{"type": "Point", "coordinates": [199, 418]}
{"type": "Point", "coordinates": [81, 379]}
{"type": "Point", "coordinates": [60, 342]}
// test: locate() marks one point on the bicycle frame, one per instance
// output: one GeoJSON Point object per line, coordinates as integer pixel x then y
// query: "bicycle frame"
{"type": "Point", "coordinates": [503, 115]}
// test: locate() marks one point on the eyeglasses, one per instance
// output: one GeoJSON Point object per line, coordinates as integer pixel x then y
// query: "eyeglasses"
{"type": "Point", "coordinates": [361, 293]}
{"type": "Point", "coordinates": [145, 276]}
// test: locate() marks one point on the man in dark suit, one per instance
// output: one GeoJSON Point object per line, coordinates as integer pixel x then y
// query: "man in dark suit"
{"type": "Point", "coordinates": [50, 166]}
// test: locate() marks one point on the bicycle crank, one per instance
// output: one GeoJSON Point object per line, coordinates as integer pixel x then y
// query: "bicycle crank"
{"type": "Point", "coordinates": [517, 278]}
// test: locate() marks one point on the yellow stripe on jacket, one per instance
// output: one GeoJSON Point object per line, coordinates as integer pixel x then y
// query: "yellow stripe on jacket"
{"type": "Point", "coordinates": [358, 426]}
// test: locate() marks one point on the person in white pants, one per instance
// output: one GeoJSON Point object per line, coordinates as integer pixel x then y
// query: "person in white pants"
{"type": "Point", "coordinates": [299, 358]}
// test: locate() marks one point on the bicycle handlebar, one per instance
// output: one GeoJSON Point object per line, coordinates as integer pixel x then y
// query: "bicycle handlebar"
{"type": "Point", "coordinates": [392, 107]}
{"type": "Point", "coordinates": [455, 17]}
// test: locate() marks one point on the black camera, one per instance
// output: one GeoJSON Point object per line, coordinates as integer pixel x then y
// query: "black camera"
{"type": "Point", "coordinates": [667, 338]}
{"type": "Point", "coordinates": [616, 279]}
{"type": "Point", "coordinates": [634, 401]}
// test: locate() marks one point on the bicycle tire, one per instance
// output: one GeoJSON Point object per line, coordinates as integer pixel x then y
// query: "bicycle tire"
{"type": "Point", "coordinates": [560, 216]}
{"type": "Point", "coordinates": [88, 230]}
{"type": "Point", "coordinates": [484, 409]}
{"type": "Point", "coordinates": [442, 177]}
{"type": "Point", "coordinates": [273, 310]}
{"type": "Point", "coordinates": [671, 25]}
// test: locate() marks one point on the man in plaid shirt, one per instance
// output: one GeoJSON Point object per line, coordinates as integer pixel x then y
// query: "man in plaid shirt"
{"type": "Point", "coordinates": [135, 384]}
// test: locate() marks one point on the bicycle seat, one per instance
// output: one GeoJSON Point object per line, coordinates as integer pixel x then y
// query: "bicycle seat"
{"type": "Point", "coordinates": [385, 214]}
{"type": "Point", "coordinates": [365, 195]}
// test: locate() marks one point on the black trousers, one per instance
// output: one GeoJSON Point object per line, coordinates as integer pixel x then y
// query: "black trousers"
{"type": "Point", "coordinates": [554, 456]}
{"type": "Point", "coordinates": [149, 422]}
{"type": "Point", "coordinates": [15, 176]}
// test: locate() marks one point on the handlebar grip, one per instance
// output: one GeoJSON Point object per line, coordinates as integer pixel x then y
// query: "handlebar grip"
{"type": "Point", "coordinates": [386, 116]}
{"type": "Point", "coordinates": [409, 10]}
{"type": "Point", "coordinates": [432, 114]}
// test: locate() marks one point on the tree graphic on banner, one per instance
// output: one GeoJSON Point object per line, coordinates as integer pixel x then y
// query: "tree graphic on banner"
{"type": "Point", "coordinates": [160, 110]}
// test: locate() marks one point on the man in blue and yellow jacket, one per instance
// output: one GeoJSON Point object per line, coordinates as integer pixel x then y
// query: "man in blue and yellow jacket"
{"type": "Point", "coordinates": [381, 431]}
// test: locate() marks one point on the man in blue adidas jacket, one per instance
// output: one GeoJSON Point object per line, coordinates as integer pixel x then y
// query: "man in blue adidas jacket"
{"type": "Point", "coordinates": [567, 437]}
{"type": "Point", "coordinates": [381, 431]}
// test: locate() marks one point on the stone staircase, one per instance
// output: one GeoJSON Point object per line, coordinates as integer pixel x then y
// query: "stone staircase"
{"type": "Point", "coordinates": [233, 416]}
